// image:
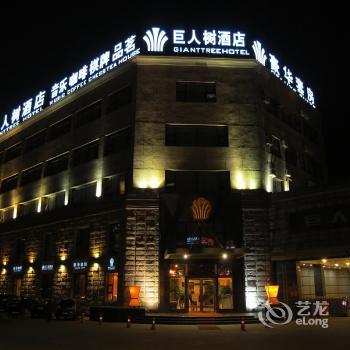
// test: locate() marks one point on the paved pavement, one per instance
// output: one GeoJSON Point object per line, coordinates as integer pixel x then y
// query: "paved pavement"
{"type": "Point", "coordinates": [72, 335]}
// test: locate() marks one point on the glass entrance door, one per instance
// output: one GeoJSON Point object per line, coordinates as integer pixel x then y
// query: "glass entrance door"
{"type": "Point", "coordinates": [201, 295]}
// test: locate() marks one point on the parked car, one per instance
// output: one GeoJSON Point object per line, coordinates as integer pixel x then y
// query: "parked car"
{"type": "Point", "coordinates": [66, 309]}
{"type": "Point", "coordinates": [4, 300]}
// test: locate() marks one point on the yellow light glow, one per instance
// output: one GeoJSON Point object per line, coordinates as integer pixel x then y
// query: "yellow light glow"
{"type": "Point", "coordinates": [30, 269]}
{"type": "Point", "coordinates": [63, 257]}
{"type": "Point", "coordinates": [336, 265]}
{"type": "Point", "coordinates": [272, 293]}
{"type": "Point", "coordinates": [66, 197]}
{"type": "Point", "coordinates": [95, 267]}
{"type": "Point", "coordinates": [31, 259]}
{"type": "Point", "coordinates": [348, 264]}
{"type": "Point", "coordinates": [15, 208]}
{"type": "Point", "coordinates": [62, 268]}
{"type": "Point", "coordinates": [224, 256]}
{"type": "Point", "coordinates": [240, 183]}
{"type": "Point", "coordinates": [143, 184]}
{"type": "Point", "coordinates": [3, 271]}
{"type": "Point", "coordinates": [4, 262]}
{"type": "Point", "coordinates": [38, 209]}
{"type": "Point", "coordinates": [96, 255]}
{"type": "Point", "coordinates": [185, 256]}
{"type": "Point", "coordinates": [153, 183]}
{"type": "Point", "coordinates": [324, 260]}
{"type": "Point", "coordinates": [99, 188]}
{"type": "Point", "coordinates": [253, 185]}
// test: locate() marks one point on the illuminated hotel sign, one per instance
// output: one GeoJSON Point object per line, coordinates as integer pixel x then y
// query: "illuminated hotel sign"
{"type": "Point", "coordinates": [47, 267]}
{"type": "Point", "coordinates": [80, 265]}
{"type": "Point", "coordinates": [111, 264]}
{"type": "Point", "coordinates": [17, 268]}
{"type": "Point", "coordinates": [177, 42]}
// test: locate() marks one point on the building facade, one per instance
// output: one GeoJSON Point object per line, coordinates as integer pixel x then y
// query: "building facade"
{"type": "Point", "coordinates": [172, 174]}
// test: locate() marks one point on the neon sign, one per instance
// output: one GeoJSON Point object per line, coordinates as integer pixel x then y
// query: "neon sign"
{"type": "Point", "coordinates": [193, 42]}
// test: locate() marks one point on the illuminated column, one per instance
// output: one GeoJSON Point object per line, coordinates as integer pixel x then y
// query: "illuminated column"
{"type": "Point", "coordinates": [142, 250]}
{"type": "Point", "coordinates": [257, 261]}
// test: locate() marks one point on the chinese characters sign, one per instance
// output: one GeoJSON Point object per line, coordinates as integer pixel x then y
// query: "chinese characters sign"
{"type": "Point", "coordinates": [186, 42]}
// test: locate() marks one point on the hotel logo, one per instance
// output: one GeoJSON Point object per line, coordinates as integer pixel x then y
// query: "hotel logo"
{"type": "Point", "coordinates": [155, 40]}
{"type": "Point", "coordinates": [259, 52]}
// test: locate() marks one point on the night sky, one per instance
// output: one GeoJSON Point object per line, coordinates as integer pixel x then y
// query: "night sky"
{"type": "Point", "coordinates": [39, 46]}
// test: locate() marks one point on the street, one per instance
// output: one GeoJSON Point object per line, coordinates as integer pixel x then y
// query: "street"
{"type": "Point", "coordinates": [68, 335]}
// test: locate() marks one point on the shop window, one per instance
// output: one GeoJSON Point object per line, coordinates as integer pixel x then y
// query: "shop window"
{"type": "Point", "coordinates": [9, 184]}
{"type": "Point", "coordinates": [56, 165]}
{"type": "Point", "coordinates": [61, 128]}
{"type": "Point", "coordinates": [112, 287]}
{"type": "Point", "coordinates": [196, 135]}
{"type": "Point", "coordinates": [177, 287]}
{"type": "Point", "coordinates": [31, 175]}
{"type": "Point", "coordinates": [13, 152]}
{"type": "Point", "coordinates": [190, 91]}
{"type": "Point", "coordinates": [17, 285]}
{"type": "Point", "coordinates": [225, 293]}
{"type": "Point", "coordinates": [79, 285]}
{"type": "Point", "coordinates": [85, 153]}
{"type": "Point", "coordinates": [35, 141]}
{"type": "Point", "coordinates": [88, 114]}
{"type": "Point", "coordinates": [119, 99]}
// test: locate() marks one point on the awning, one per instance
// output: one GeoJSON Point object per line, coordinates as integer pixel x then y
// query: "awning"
{"type": "Point", "coordinates": [204, 253]}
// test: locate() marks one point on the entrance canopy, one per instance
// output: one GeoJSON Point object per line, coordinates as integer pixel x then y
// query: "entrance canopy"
{"type": "Point", "coordinates": [204, 253]}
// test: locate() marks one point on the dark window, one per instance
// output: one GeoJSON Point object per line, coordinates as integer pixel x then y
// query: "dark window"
{"type": "Point", "coordinates": [195, 92]}
{"type": "Point", "coordinates": [19, 250]}
{"type": "Point", "coordinates": [88, 114]}
{"type": "Point", "coordinates": [291, 156]}
{"type": "Point", "coordinates": [56, 165]}
{"type": "Point", "coordinates": [53, 202]}
{"type": "Point", "coordinates": [310, 133]}
{"type": "Point", "coordinates": [275, 147]}
{"type": "Point", "coordinates": [119, 99]}
{"type": "Point", "coordinates": [85, 153]}
{"type": "Point", "coordinates": [46, 285]}
{"type": "Point", "coordinates": [13, 152]}
{"type": "Point", "coordinates": [28, 208]}
{"type": "Point", "coordinates": [60, 128]}
{"type": "Point", "coordinates": [31, 175]}
{"type": "Point", "coordinates": [85, 193]}
{"type": "Point", "coordinates": [9, 184]}
{"type": "Point", "coordinates": [117, 142]}
{"type": "Point", "coordinates": [82, 243]}
{"type": "Point", "coordinates": [196, 135]}
{"type": "Point", "coordinates": [114, 238]}
{"type": "Point", "coordinates": [113, 186]}
{"type": "Point", "coordinates": [35, 141]}
{"type": "Point", "coordinates": [197, 181]}
{"type": "Point", "coordinates": [48, 247]}
{"type": "Point", "coordinates": [79, 291]}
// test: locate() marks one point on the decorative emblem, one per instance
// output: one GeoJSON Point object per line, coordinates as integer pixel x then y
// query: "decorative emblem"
{"type": "Point", "coordinates": [155, 40]}
{"type": "Point", "coordinates": [201, 209]}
